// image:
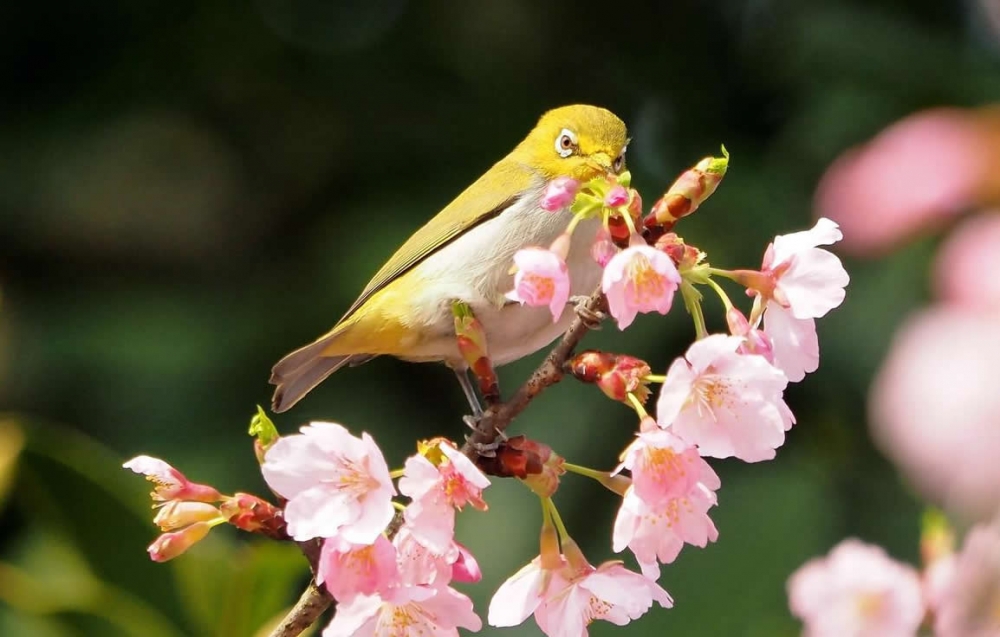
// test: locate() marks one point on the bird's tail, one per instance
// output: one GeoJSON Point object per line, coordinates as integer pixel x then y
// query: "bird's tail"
{"type": "Point", "coordinates": [296, 374]}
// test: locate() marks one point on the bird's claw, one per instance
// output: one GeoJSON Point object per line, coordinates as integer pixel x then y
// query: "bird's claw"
{"type": "Point", "coordinates": [591, 318]}
{"type": "Point", "coordinates": [487, 450]}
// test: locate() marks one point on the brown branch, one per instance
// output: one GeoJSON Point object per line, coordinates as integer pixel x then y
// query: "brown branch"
{"type": "Point", "coordinates": [550, 372]}
{"type": "Point", "coordinates": [314, 600]}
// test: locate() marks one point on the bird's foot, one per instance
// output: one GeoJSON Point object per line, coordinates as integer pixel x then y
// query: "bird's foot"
{"type": "Point", "coordinates": [591, 318]}
{"type": "Point", "coordinates": [489, 449]}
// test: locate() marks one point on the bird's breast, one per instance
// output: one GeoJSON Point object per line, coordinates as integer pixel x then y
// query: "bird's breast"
{"type": "Point", "coordinates": [476, 269]}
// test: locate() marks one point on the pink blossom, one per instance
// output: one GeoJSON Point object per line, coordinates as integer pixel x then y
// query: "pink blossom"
{"type": "Point", "coordinates": [437, 491]}
{"type": "Point", "coordinates": [567, 599]}
{"type": "Point", "coordinates": [603, 249]}
{"type": "Point", "coordinates": [806, 279]}
{"type": "Point", "coordinates": [170, 484]}
{"type": "Point", "coordinates": [639, 279]}
{"type": "Point", "coordinates": [794, 344]}
{"type": "Point", "coordinates": [336, 485]}
{"type": "Point", "coordinates": [969, 604]}
{"type": "Point", "coordinates": [754, 340]}
{"type": "Point", "coordinates": [419, 565]}
{"type": "Point", "coordinates": [616, 197]}
{"type": "Point", "coordinates": [935, 407]}
{"type": "Point", "coordinates": [519, 596]}
{"type": "Point", "coordinates": [542, 279]}
{"type": "Point", "coordinates": [965, 265]}
{"type": "Point", "coordinates": [406, 611]}
{"type": "Point", "coordinates": [663, 466]}
{"type": "Point", "coordinates": [169, 545]}
{"type": "Point", "coordinates": [609, 592]}
{"type": "Point", "coordinates": [856, 591]}
{"type": "Point", "coordinates": [726, 403]}
{"type": "Point", "coordinates": [920, 172]}
{"type": "Point", "coordinates": [348, 569]}
{"type": "Point", "coordinates": [657, 531]}
{"type": "Point", "coordinates": [559, 193]}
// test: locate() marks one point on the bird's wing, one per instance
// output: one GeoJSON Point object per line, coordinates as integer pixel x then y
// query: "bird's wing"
{"type": "Point", "coordinates": [486, 198]}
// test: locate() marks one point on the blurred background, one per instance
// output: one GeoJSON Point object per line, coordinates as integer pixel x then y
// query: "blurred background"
{"type": "Point", "coordinates": [190, 190]}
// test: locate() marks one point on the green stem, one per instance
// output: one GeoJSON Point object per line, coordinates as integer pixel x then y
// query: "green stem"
{"type": "Point", "coordinates": [396, 473]}
{"type": "Point", "coordinates": [637, 405]}
{"type": "Point", "coordinates": [556, 519]}
{"type": "Point", "coordinates": [584, 471]}
{"type": "Point", "coordinates": [722, 294]}
{"type": "Point", "coordinates": [655, 378]}
{"type": "Point", "coordinates": [728, 274]}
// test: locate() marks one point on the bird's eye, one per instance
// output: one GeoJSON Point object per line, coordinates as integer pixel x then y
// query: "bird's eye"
{"type": "Point", "coordinates": [619, 163]}
{"type": "Point", "coordinates": [566, 142]}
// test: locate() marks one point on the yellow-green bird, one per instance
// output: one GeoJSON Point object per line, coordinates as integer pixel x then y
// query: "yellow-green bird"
{"type": "Point", "coordinates": [464, 254]}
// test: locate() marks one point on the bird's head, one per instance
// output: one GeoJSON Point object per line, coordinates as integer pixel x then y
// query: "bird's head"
{"type": "Point", "coordinates": [578, 141]}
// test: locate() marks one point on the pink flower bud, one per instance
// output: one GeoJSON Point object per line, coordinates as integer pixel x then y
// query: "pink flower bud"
{"type": "Point", "coordinates": [250, 513]}
{"type": "Point", "coordinates": [174, 514]}
{"type": "Point", "coordinates": [616, 197]}
{"type": "Point", "coordinates": [170, 545]}
{"type": "Point", "coordinates": [603, 249]}
{"type": "Point", "coordinates": [465, 569]}
{"type": "Point", "coordinates": [559, 194]}
{"type": "Point", "coordinates": [170, 483]}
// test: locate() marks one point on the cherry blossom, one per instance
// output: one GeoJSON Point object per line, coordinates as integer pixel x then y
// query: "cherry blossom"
{"type": "Point", "coordinates": [656, 531]}
{"type": "Point", "coordinates": [559, 194]}
{"type": "Point", "coordinates": [726, 403]}
{"type": "Point", "coordinates": [609, 593]}
{"type": "Point", "coordinates": [347, 569]}
{"type": "Point", "coordinates": [417, 611]}
{"type": "Point", "coordinates": [170, 484]}
{"type": "Point", "coordinates": [969, 600]}
{"type": "Point", "coordinates": [337, 485]}
{"type": "Point", "coordinates": [935, 408]}
{"type": "Point", "coordinates": [603, 249]}
{"type": "Point", "coordinates": [437, 491]}
{"type": "Point", "coordinates": [794, 344]}
{"type": "Point", "coordinates": [856, 591]}
{"type": "Point", "coordinates": [639, 279]}
{"type": "Point", "coordinates": [567, 598]}
{"type": "Point", "coordinates": [663, 466]}
{"type": "Point", "coordinates": [963, 264]}
{"type": "Point", "coordinates": [542, 279]}
{"type": "Point", "coordinates": [802, 277]}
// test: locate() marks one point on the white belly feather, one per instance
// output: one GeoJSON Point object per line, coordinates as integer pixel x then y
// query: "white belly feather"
{"type": "Point", "coordinates": [475, 269]}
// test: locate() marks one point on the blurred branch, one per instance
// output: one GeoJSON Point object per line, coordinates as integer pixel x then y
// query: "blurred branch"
{"type": "Point", "coordinates": [315, 600]}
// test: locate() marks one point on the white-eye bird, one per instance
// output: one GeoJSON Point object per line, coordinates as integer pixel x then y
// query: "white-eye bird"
{"type": "Point", "coordinates": [465, 254]}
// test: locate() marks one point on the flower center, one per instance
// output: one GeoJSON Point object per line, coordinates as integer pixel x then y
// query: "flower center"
{"type": "Point", "coordinates": [709, 393]}
{"type": "Point", "coordinates": [541, 288]}
{"type": "Point", "coordinates": [647, 285]}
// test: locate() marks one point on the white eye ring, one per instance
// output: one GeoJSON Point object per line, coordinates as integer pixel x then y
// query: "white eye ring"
{"type": "Point", "coordinates": [566, 142]}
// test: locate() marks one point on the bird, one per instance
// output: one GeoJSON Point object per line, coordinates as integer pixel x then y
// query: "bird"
{"type": "Point", "coordinates": [464, 254]}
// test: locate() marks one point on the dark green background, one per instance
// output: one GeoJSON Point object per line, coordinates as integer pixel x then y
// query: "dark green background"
{"type": "Point", "coordinates": [189, 190]}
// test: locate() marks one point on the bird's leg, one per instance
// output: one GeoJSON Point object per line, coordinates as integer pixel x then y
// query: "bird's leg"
{"type": "Point", "coordinates": [469, 391]}
{"type": "Point", "coordinates": [591, 318]}
{"type": "Point", "coordinates": [472, 346]}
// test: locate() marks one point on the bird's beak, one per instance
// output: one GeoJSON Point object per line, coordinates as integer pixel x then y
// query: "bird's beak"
{"type": "Point", "coordinates": [602, 161]}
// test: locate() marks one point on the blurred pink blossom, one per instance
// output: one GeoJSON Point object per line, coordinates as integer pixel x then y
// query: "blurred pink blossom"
{"type": "Point", "coordinates": [916, 174]}
{"type": "Point", "coordinates": [935, 407]}
{"type": "Point", "coordinates": [969, 602]}
{"type": "Point", "coordinates": [967, 267]}
{"type": "Point", "coordinates": [856, 591]}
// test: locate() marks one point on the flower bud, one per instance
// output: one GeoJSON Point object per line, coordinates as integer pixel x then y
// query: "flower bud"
{"type": "Point", "coordinates": [250, 513]}
{"type": "Point", "coordinates": [170, 483]}
{"type": "Point", "coordinates": [176, 514]}
{"type": "Point", "coordinates": [170, 545]}
{"type": "Point", "coordinates": [603, 249]}
{"type": "Point", "coordinates": [465, 569]}
{"type": "Point", "coordinates": [616, 197]}
{"type": "Point", "coordinates": [617, 375]}
{"type": "Point", "coordinates": [559, 194]}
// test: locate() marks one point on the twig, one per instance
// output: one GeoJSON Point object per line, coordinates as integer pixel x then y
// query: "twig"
{"type": "Point", "coordinates": [314, 600]}
{"type": "Point", "coordinates": [311, 604]}
{"type": "Point", "coordinates": [550, 372]}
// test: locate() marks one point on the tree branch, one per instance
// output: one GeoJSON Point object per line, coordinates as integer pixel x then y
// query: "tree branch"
{"type": "Point", "coordinates": [315, 600]}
